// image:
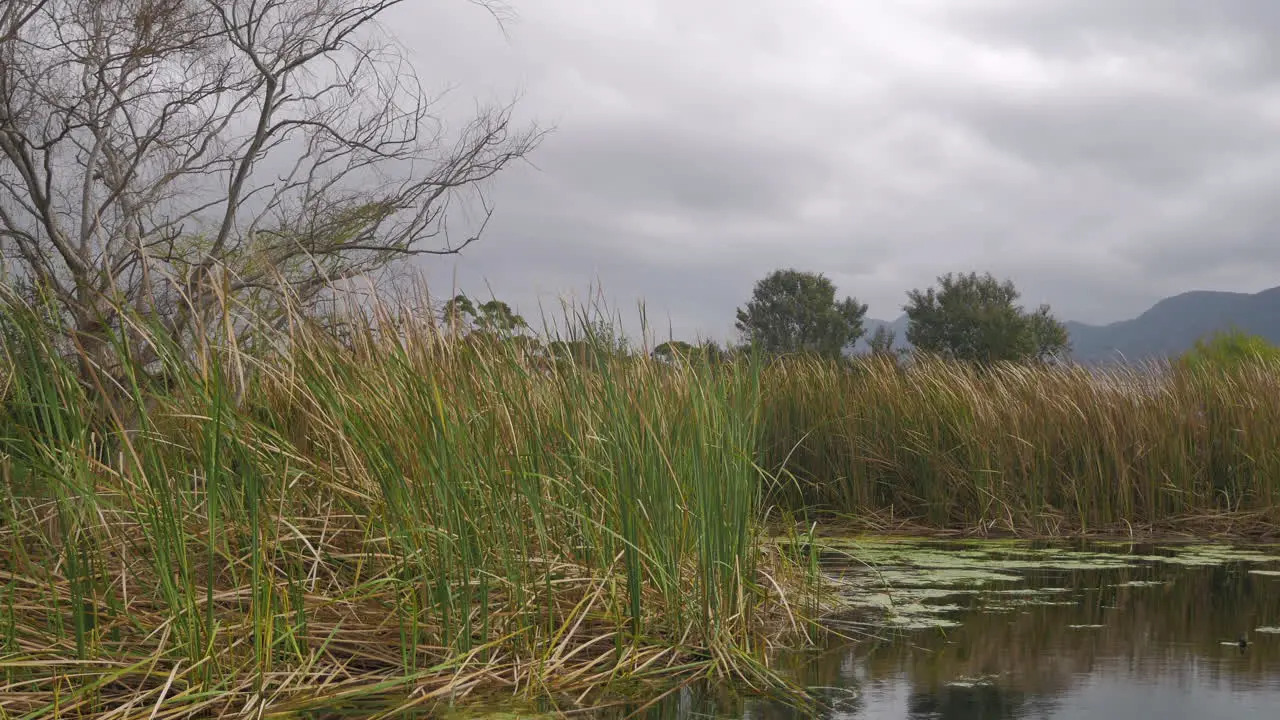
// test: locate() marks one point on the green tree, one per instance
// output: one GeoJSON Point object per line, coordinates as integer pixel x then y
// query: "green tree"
{"type": "Point", "coordinates": [497, 317]}
{"type": "Point", "coordinates": [1049, 337]}
{"type": "Point", "coordinates": [604, 335]}
{"type": "Point", "coordinates": [593, 341]}
{"type": "Point", "coordinates": [1230, 350]}
{"type": "Point", "coordinates": [459, 313]}
{"type": "Point", "coordinates": [490, 320]}
{"type": "Point", "coordinates": [673, 350]}
{"type": "Point", "coordinates": [881, 341]}
{"type": "Point", "coordinates": [976, 318]}
{"type": "Point", "coordinates": [794, 311]}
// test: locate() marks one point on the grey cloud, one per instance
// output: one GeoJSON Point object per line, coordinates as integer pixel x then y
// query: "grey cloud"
{"type": "Point", "coordinates": [1149, 139]}
{"type": "Point", "coordinates": [1101, 154]}
{"type": "Point", "coordinates": [702, 171]}
{"type": "Point", "coordinates": [1228, 223]}
{"type": "Point", "coordinates": [1222, 40]}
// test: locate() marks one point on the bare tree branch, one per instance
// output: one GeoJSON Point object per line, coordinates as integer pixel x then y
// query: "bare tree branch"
{"type": "Point", "coordinates": [151, 149]}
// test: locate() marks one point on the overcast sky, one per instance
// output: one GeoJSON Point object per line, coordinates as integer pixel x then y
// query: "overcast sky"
{"type": "Point", "coordinates": [1101, 154]}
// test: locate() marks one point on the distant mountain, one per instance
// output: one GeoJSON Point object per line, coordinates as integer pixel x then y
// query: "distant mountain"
{"type": "Point", "coordinates": [1168, 328]}
{"type": "Point", "coordinates": [1174, 324]}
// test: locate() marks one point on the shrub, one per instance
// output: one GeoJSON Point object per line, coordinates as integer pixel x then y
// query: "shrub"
{"type": "Point", "coordinates": [1229, 351]}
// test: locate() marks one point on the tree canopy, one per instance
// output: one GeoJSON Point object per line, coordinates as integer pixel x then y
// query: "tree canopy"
{"type": "Point", "coordinates": [976, 318]}
{"type": "Point", "coordinates": [679, 350]}
{"type": "Point", "coordinates": [493, 317]}
{"type": "Point", "coordinates": [794, 311]}
{"type": "Point", "coordinates": [881, 342]}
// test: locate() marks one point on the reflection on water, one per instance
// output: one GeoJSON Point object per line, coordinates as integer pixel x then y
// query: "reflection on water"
{"type": "Point", "coordinates": [1147, 639]}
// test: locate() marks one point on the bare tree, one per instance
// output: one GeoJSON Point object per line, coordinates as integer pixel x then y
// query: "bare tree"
{"type": "Point", "coordinates": [165, 156]}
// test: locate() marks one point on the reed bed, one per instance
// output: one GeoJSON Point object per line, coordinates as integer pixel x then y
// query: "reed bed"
{"type": "Point", "coordinates": [391, 518]}
{"type": "Point", "coordinates": [388, 521]}
{"type": "Point", "coordinates": [1015, 448]}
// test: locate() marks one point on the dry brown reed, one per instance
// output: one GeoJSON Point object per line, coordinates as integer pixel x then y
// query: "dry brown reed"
{"type": "Point", "coordinates": [1019, 448]}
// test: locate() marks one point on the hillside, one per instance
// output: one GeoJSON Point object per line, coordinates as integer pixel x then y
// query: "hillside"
{"type": "Point", "coordinates": [1173, 325]}
{"type": "Point", "coordinates": [1169, 327]}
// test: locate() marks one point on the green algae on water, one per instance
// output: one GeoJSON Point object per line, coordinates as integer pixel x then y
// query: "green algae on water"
{"type": "Point", "coordinates": [902, 578]}
{"type": "Point", "coordinates": [969, 682]}
{"type": "Point", "coordinates": [1027, 591]}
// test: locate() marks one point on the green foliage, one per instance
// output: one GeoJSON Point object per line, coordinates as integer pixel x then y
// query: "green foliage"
{"type": "Point", "coordinates": [673, 349]}
{"type": "Point", "coordinates": [679, 350]}
{"type": "Point", "coordinates": [497, 317]}
{"type": "Point", "coordinates": [792, 311]}
{"type": "Point", "coordinates": [1229, 351]}
{"type": "Point", "coordinates": [975, 318]}
{"type": "Point", "coordinates": [492, 318]}
{"type": "Point", "coordinates": [593, 342]}
{"type": "Point", "coordinates": [1048, 336]}
{"type": "Point", "coordinates": [459, 312]}
{"type": "Point", "coordinates": [605, 335]}
{"type": "Point", "coordinates": [881, 342]}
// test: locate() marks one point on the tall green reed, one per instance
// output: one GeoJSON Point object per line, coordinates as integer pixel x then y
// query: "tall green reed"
{"type": "Point", "coordinates": [393, 509]}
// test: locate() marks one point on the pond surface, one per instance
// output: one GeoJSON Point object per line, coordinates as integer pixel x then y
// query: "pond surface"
{"type": "Point", "coordinates": [976, 630]}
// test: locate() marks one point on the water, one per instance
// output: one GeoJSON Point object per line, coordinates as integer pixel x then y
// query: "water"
{"type": "Point", "coordinates": [982, 631]}
{"type": "Point", "coordinates": [1018, 631]}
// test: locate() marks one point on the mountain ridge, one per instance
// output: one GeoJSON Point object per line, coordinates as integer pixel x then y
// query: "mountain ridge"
{"type": "Point", "coordinates": [1169, 327]}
